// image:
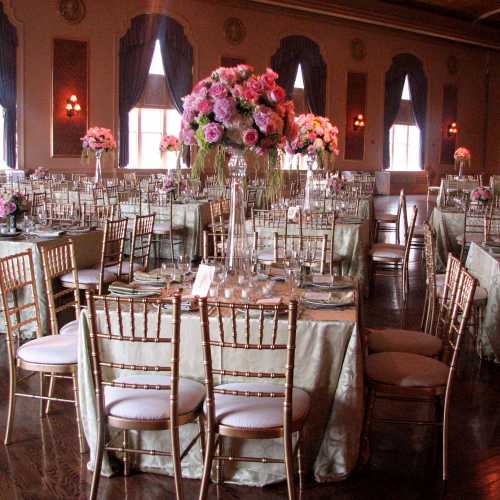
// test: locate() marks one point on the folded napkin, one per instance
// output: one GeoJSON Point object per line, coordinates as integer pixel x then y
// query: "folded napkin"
{"type": "Point", "coordinates": [151, 277]}
{"type": "Point", "coordinates": [130, 288]}
{"type": "Point", "coordinates": [271, 301]}
{"type": "Point", "coordinates": [48, 233]}
{"type": "Point", "coordinates": [203, 281]}
{"type": "Point", "coordinates": [318, 296]}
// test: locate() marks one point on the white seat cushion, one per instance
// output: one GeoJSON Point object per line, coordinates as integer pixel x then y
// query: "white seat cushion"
{"type": "Point", "coordinates": [50, 350]}
{"type": "Point", "coordinates": [405, 369]}
{"type": "Point", "coordinates": [151, 404]}
{"type": "Point", "coordinates": [136, 266]}
{"type": "Point", "coordinates": [399, 340]}
{"type": "Point", "coordinates": [89, 277]}
{"type": "Point", "coordinates": [70, 328]}
{"type": "Point", "coordinates": [386, 217]}
{"type": "Point", "coordinates": [387, 251]}
{"type": "Point", "coordinates": [480, 295]}
{"type": "Point", "coordinates": [164, 228]}
{"type": "Point", "coordinates": [475, 237]}
{"type": "Point", "coordinates": [251, 412]}
{"type": "Point", "coordinates": [266, 255]}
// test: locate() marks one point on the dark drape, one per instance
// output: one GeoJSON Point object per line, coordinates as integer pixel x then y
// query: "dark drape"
{"type": "Point", "coordinates": [402, 65]}
{"type": "Point", "coordinates": [136, 51]}
{"type": "Point", "coordinates": [8, 94]}
{"type": "Point", "coordinates": [295, 50]}
{"type": "Point", "coordinates": [177, 55]}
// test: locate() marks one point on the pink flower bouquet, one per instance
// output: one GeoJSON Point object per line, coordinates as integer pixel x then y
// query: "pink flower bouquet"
{"type": "Point", "coordinates": [315, 136]}
{"type": "Point", "coordinates": [235, 107]}
{"type": "Point", "coordinates": [40, 173]}
{"type": "Point", "coordinates": [98, 139]}
{"type": "Point", "coordinates": [462, 154]}
{"type": "Point", "coordinates": [169, 143]}
{"type": "Point", "coordinates": [481, 194]}
{"type": "Point", "coordinates": [12, 205]}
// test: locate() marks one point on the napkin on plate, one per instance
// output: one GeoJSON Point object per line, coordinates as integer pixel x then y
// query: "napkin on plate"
{"type": "Point", "coordinates": [271, 301]}
{"type": "Point", "coordinates": [203, 281]}
{"type": "Point", "coordinates": [48, 233]}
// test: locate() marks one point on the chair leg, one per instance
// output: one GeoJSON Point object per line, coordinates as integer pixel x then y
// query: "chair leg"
{"type": "Point", "coordinates": [219, 464]}
{"type": "Point", "coordinates": [81, 439]}
{"type": "Point", "coordinates": [207, 466]}
{"type": "Point", "coordinates": [126, 464]}
{"type": "Point", "coordinates": [50, 393]}
{"type": "Point", "coordinates": [176, 455]}
{"type": "Point", "coordinates": [300, 452]}
{"type": "Point", "coordinates": [425, 311]}
{"type": "Point", "coordinates": [201, 428]}
{"type": "Point", "coordinates": [287, 438]}
{"type": "Point", "coordinates": [445, 434]}
{"type": "Point", "coordinates": [12, 402]}
{"type": "Point", "coordinates": [397, 233]}
{"type": "Point", "coordinates": [99, 452]}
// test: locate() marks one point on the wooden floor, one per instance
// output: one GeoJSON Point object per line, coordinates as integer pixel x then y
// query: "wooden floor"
{"type": "Point", "coordinates": [43, 462]}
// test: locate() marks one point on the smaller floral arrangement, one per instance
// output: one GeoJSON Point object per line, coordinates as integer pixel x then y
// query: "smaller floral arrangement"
{"type": "Point", "coordinates": [168, 183]}
{"type": "Point", "coordinates": [13, 205]}
{"type": "Point", "coordinates": [169, 143]}
{"type": "Point", "coordinates": [40, 173]}
{"type": "Point", "coordinates": [481, 194]}
{"type": "Point", "coordinates": [316, 136]}
{"type": "Point", "coordinates": [98, 140]}
{"type": "Point", "coordinates": [462, 154]}
{"type": "Point", "coordinates": [335, 184]}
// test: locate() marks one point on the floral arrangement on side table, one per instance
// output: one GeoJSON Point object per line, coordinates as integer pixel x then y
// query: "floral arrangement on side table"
{"type": "Point", "coordinates": [96, 142]}
{"type": "Point", "coordinates": [169, 143]}
{"type": "Point", "coordinates": [481, 194]}
{"type": "Point", "coordinates": [316, 136]}
{"type": "Point", "coordinates": [236, 108]}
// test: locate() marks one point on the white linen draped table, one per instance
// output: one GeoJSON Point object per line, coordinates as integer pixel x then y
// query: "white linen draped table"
{"type": "Point", "coordinates": [465, 185]}
{"type": "Point", "coordinates": [448, 224]}
{"type": "Point", "coordinates": [328, 364]}
{"type": "Point", "coordinates": [87, 252]}
{"type": "Point", "coordinates": [352, 241]}
{"type": "Point", "coordinates": [486, 269]}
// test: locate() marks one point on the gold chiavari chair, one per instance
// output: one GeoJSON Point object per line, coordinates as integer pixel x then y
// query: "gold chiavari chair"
{"type": "Point", "coordinates": [98, 195]}
{"type": "Point", "coordinates": [345, 205]}
{"type": "Point", "coordinates": [264, 224]}
{"type": "Point", "coordinates": [99, 277]}
{"type": "Point", "coordinates": [251, 409]}
{"type": "Point", "coordinates": [389, 222]}
{"type": "Point", "coordinates": [395, 256]}
{"type": "Point", "coordinates": [57, 213]}
{"type": "Point", "coordinates": [96, 215]}
{"type": "Point", "coordinates": [492, 228]}
{"type": "Point", "coordinates": [161, 204]}
{"type": "Point", "coordinates": [214, 246]}
{"type": "Point", "coordinates": [129, 202]}
{"type": "Point", "coordinates": [474, 221]}
{"type": "Point", "coordinates": [218, 216]}
{"type": "Point", "coordinates": [313, 250]}
{"type": "Point", "coordinates": [37, 200]}
{"type": "Point", "coordinates": [251, 198]}
{"type": "Point", "coordinates": [411, 377]}
{"type": "Point", "coordinates": [112, 194]}
{"type": "Point", "coordinates": [54, 355]}
{"type": "Point", "coordinates": [145, 397]}
{"type": "Point", "coordinates": [140, 246]}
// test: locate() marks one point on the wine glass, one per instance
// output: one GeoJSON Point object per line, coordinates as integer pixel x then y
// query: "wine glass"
{"type": "Point", "coordinates": [166, 273]}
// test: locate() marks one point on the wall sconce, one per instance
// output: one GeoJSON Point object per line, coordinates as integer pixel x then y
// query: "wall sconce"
{"type": "Point", "coordinates": [359, 122]}
{"type": "Point", "coordinates": [72, 106]}
{"type": "Point", "coordinates": [452, 129]}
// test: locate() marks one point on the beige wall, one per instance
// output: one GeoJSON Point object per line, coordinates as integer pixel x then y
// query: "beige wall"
{"type": "Point", "coordinates": [38, 23]}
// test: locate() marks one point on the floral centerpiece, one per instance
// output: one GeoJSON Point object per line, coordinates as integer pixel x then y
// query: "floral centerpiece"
{"type": "Point", "coordinates": [481, 194]}
{"type": "Point", "coordinates": [316, 137]}
{"type": "Point", "coordinates": [40, 173]}
{"type": "Point", "coordinates": [462, 160]}
{"type": "Point", "coordinates": [96, 142]}
{"type": "Point", "coordinates": [169, 143]}
{"type": "Point", "coordinates": [11, 206]}
{"type": "Point", "coordinates": [236, 110]}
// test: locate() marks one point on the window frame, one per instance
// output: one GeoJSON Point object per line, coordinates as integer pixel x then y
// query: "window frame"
{"type": "Point", "coordinates": [392, 168]}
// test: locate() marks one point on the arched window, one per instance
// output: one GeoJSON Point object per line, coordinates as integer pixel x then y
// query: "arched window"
{"type": "Point", "coordinates": [405, 114]}
{"type": "Point", "coordinates": [156, 71]}
{"type": "Point", "coordinates": [300, 51]}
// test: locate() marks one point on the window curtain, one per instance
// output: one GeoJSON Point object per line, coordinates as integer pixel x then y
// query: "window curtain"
{"type": "Point", "coordinates": [402, 65]}
{"type": "Point", "coordinates": [8, 93]}
{"type": "Point", "coordinates": [295, 50]}
{"type": "Point", "coordinates": [136, 52]}
{"type": "Point", "coordinates": [177, 56]}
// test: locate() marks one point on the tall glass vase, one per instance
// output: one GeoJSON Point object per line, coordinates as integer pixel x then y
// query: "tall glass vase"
{"type": "Point", "coordinates": [237, 245]}
{"type": "Point", "coordinates": [309, 187]}
{"type": "Point", "coordinates": [98, 168]}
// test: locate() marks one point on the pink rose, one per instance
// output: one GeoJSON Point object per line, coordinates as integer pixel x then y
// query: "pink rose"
{"type": "Point", "coordinates": [224, 109]}
{"type": "Point", "coordinates": [188, 137]}
{"type": "Point", "coordinates": [218, 90]}
{"type": "Point", "coordinates": [213, 132]}
{"type": "Point", "coordinates": [250, 94]}
{"type": "Point", "coordinates": [250, 137]}
{"type": "Point", "coordinates": [206, 106]}
{"type": "Point", "coordinates": [257, 85]}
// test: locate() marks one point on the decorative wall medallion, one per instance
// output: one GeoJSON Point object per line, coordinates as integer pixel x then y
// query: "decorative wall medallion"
{"type": "Point", "coordinates": [452, 65]}
{"type": "Point", "coordinates": [72, 11]}
{"type": "Point", "coordinates": [234, 30]}
{"type": "Point", "coordinates": [358, 49]}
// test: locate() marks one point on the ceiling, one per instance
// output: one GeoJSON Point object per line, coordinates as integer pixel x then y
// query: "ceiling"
{"type": "Point", "coordinates": [480, 11]}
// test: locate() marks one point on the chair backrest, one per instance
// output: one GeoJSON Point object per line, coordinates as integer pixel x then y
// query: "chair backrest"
{"type": "Point", "coordinates": [98, 196]}
{"type": "Point", "coordinates": [58, 260]}
{"type": "Point", "coordinates": [140, 244]}
{"type": "Point", "coordinates": [38, 200]}
{"type": "Point", "coordinates": [19, 297]}
{"type": "Point", "coordinates": [345, 204]}
{"type": "Point", "coordinates": [60, 212]}
{"type": "Point", "coordinates": [161, 204]}
{"type": "Point", "coordinates": [261, 335]}
{"type": "Point", "coordinates": [214, 246]}
{"type": "Point", "coordinates": [274, 218]}
{"type": "Point", "coordinates": [97, 215]}
{"type": "Point", "coordinates": [112, 247]}
{"type": "Point", "coordinates": [492, 227]}
{"type": "Point", "coordinates": [136, 322]}
{"type": "Point", "coordinates": [409, 233]}
{"type": "Point", "coordinates": [314, 250]}
{"type": "Point", "coordinates": [402, 212]}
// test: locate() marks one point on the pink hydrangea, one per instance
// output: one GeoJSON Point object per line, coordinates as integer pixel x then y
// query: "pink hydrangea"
{"type": "Point", "coordinates": [213, 132]}
{"type": "Point", "coordinates": [224, 109]}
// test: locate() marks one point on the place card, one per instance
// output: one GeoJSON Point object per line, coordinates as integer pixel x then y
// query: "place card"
{"type": "Point", "coordinates": [203, 281]}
